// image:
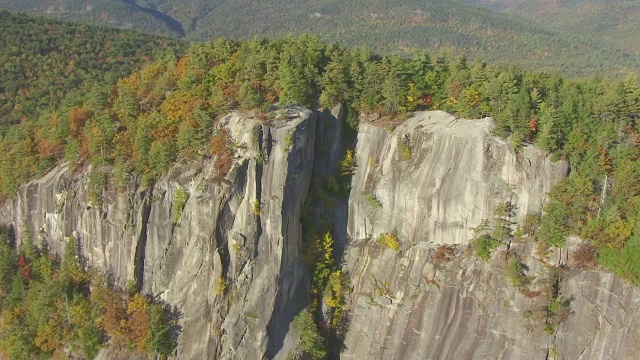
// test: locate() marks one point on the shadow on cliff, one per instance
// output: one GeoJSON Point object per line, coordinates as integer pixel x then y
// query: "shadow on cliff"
{"type": "Point", "coordinates": [346, 141]}
{"type": "Point", "coordinates": [326, 209]}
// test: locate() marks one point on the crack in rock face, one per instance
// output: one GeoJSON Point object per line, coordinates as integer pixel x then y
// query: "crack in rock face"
{"type": "Point", "coordinates": [228, 255]}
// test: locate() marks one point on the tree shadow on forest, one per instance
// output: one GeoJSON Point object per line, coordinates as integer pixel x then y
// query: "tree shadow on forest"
{"type": "Point", "coordinates": [172, 23]}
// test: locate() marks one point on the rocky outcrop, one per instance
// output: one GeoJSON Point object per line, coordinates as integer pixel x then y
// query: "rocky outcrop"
{"type": "Point", "coordinates": [230, 263]}
{"type": "Point", "coordinates": [434, 178]}
{"type": "Point", "coordinates": [408, 305]}
{"type": "Point", "coordinates": [230, 258]}
{"type": "Point", "coordinates": [437, 176]}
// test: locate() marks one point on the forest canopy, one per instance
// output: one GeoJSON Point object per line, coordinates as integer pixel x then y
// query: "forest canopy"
{"type": "Point", "coordinates": [541, 36]}
{"type": "Point", "coordinates": [44, 60]}
{"type": "Point", "coordinates": [52, 306]}
{"type": "Point", "coordinates": [137, 127]}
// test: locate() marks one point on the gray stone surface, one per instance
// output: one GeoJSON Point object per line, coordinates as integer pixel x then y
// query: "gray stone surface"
{"type": "Point", "coordinates": [402, 305]}
{"type": "Point", "coordinates": [455, 176]}
{"type": "Point", "coordinates": [218, 236]}
{"type": "Point", "coordinates": [467, 309]}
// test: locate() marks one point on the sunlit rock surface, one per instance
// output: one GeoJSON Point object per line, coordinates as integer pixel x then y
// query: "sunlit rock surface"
{"type": "Point", "coordinates": [232, 262]}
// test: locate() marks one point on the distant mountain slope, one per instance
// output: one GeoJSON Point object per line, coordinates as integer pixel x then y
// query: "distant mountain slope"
{"type": "Point", "coordinates": [43, 60]}
{"type": "Point", "coordinates": [116, 13]}
{"type": "Point", "coordinates": [612, 22]}
{"type": "Point", "coordinates": [385, 25]}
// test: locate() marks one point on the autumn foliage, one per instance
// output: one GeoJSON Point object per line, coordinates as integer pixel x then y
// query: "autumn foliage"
{"type": "Point", "coordinates": [584, 257]}
{"type": "Point", "coordinates": [220, 147]}
{"type": "Point", "coordinates": [50, 307]}
{"type": "Point", "coordinates": [444, 253]}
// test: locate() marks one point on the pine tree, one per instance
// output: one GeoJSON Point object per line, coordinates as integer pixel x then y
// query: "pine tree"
{"type": "Point", "coordinates": [334, 81]}
{"type": "Point", "coordinates": [372, 81]}
{"type": "Point", "coordinates": [548, 138]}
{"type": "Point", "coordinates": [72, 272]}
{"type": "Point", "coordinates": [502, 224]}
{"type": "Point", "coordinates": [395, 88]}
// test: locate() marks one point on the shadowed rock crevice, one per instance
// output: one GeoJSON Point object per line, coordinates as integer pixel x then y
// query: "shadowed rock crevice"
{"type": "Point", "coordinates": [142, 241]}
{"type": "Point", "coordinates": [259, 131]}
{"type": "Point", "coordinates": [292, 295]}
{"type": "Point", "coordinates": [346, 138]}
{"type": "Point", "coordinates": [221, 235]}
{"type": "Point", "coordinates": [454, 176]}
{"type": "Point", "coordinates": [324, 211]}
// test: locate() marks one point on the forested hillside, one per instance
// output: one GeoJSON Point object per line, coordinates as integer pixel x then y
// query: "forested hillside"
{"type": "Point", "coordinates": [48, 65]}
{"type": "Point", "coordinates": [383, 25]}
{"type": "Point", "coordinates": [615, 23]}
{"type": "Point", "coordinates": [43, 60]}
{"type": "Point", "coordinates": [53, 307]}
{"type": "Point", "coordinates": [120, 14]}
{"type": "Point", "coordinates": [61, 102]}
{"type": "Point", "coordinates": [163, 113]}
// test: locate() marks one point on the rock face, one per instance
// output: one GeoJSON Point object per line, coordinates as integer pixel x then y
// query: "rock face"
{"type": "Point", "coordinates": [408, 305]}
{"type": "Point", "coordinates": [437, 177]}
{"type": "Point", "coordinates": [404, 306]}
{"type": "Point", "coordinates": [231, 261]}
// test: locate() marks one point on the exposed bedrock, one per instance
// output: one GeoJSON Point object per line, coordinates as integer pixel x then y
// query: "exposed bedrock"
{"type": "Point", "coordinates": [434, 178]}
{"type": "Point", "coordinates": [230, 263]}
{"type": "Point", "coordinates": [437, 176]}
{"type": "Point", "coordinates": [404, 306]}
{"type": "Point", "coordinates": [230, 260]}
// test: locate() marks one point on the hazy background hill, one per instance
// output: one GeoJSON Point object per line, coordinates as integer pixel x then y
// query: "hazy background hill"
{"type": "Point", "coordinates": [386, 26]}
{"type": "Point", "coordinates": [141, 122]}
{"type": "Point", "coordinates": [612, 22]}
{"type": "Point", "coordinates": [43, 60]}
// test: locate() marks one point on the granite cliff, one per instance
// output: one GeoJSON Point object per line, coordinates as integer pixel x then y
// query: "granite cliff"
{"type": "Point", "coordinates": [230, 262]}
{"type": "Point", "coordinates": [230, 259]}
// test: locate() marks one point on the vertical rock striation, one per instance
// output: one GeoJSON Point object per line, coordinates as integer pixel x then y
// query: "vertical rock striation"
{"type": "Point", "coordinates": [231, 263]}
{"type": "Point", "coordinates": [408, 306]}
{"type": "Point", "coordinates": [437, 176]}
{"type": "Point", "coordinates": [229, 257]}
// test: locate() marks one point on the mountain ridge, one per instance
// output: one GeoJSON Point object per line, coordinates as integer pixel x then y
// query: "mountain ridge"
{"type": "Point", "coordinates": [611, 22]}
{"type": "Point", "coordinates": [385, 26]}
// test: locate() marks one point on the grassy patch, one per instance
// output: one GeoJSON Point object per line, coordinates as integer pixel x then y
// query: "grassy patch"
{"type": "Point", "coordinates": [288, 141]}
{"type": "Point", "coordinates": [179, 201]}
{"type": "Point", "coordinates": [255, 207]}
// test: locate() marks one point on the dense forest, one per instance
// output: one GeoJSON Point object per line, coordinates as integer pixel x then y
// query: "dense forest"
{"type": "Point", "coordinates": [383, 25]}
{"type": "Point", "coordinates": [44, 60]}
{"type": "Point", "coordinates": [54, 307]}
{"type": "Point", "coordinates": [162, 114]}
{"type": "Point", "coordinates": [611, 22]}
{"type": "Point", "coordinates": [138, 127]}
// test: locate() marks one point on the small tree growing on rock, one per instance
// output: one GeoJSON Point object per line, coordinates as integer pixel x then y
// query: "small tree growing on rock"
{"type": "Point", "coordinates": [515, 272]}
{"type": "Point", "coordinates": [310, 341]}
{"type": "Point", "coordinates": [483, 246]}
{"type": "Point", "coordinates": [502, 224]}
{"type": "Point", "coordinates": [389, 240]}
{"type": "Point", "coordinates": [348, 164]}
